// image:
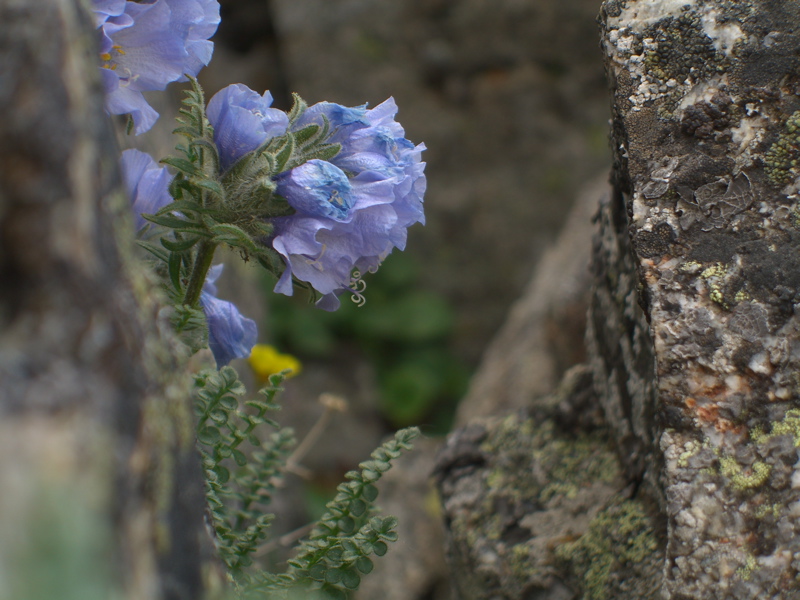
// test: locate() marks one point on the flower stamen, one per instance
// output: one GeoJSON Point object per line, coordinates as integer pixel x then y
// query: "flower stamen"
{"type": "Point", "coordinates": [107, 57]}
{"type": "Point", "coordinates": [357, 288]}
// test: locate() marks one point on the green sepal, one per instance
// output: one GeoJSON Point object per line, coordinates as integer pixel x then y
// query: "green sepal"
{"type": "Point", "coordinates": [159, 253]}
{"type": "Point", "coordinates": [208, 184]}
{"type": "Point", "coordinates": [284, 154]}
{"type": "Point", "coordinates": [179, 245]}
{"type": "Point", "coordinates": [225, 233]}
{"type": "Point", "coordinates": [178, 224]}
{"type": "Point", "coordinates": [168, 220]}
{"type": "Point", "coordinates": [306, 133]}
{"type": "Point", "coordinates": [182, 165]}
{"type": "Point", "coordinates": [174, 264]}
{"type": "Point", "coordinates": [323, 152]}
{"type": "Point", "coordinates": [185, 205]}
{"type": "Point", "coordinates": [271, 261]}
{"type": "Point", "coordinates": [299, 106]}
{"type": "Point", "coordinates": [262, 228]}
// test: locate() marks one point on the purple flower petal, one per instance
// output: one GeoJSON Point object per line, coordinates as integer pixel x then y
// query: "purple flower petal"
{"type": "Point", "coordinates": [242, 121]}
{"type": "Point", "coordinates": [230, 335]}
{"type": "Point", "coordinates": [318, 188]}
{"type": "Point", "coordinates": [198, 21]}
{"type": "Point", "coordinates": [105, 9]}
{"type": "Point", "coordinates": [147, 184]}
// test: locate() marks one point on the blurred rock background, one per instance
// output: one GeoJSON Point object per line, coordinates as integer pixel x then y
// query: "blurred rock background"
{"type": "Point", "coordinates": [510, 98]}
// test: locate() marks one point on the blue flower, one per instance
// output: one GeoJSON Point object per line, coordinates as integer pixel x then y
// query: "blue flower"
{"type": "Point", "coordinates": [352, 210]}
{"type": "Point", "coordinates": [148, 46]}
{"type": "Point", "coordinates": [230, 335]}
{"type": "Point", "coordinates": [242, 121]}
{"type": "Point", "coordinates": [147, 184]}
{"type": "Point", "coordinates": [330, 247]}
{"type": "Point", "coordinates": [318, 188]}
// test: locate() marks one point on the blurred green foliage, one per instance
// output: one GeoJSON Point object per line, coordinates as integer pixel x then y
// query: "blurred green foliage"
{"type": "Point", "coordinates": [403, 331]}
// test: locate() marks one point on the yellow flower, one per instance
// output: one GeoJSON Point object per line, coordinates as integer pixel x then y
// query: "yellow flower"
{"type": "Point", "coordinates": [266, 360]}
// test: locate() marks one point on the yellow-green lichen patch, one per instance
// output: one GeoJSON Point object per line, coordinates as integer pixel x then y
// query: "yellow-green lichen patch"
{"type": "Point", "coordinates": [717, 270]}
{"type": "Point", "coordinates": [574, 462]}
{"type": "Point", "coordinates": [619, 547]}
{"type": "Point", "coordinates": [783, 157]}
{"type": "Point", "coordinates": [768, 510]}
{"type": "Point", "coordinates": [690, 450]}
{"type": "Point", "coordinates": [691, 266]}
{"type": "Point", "coordinates": [567, 464]}
{"type": "Point", "coordinates": [789, 425]}
{"type": "Point", "coordinates": [746, 571]}
{"type": "Point", "coordinates": [537, 487]}
{"type": "Point", "coordinates": [522, 566]}
{"type": "Point", "coordinates": [744, 478]}
{"type": "Point", "coordinates": [714, 277]}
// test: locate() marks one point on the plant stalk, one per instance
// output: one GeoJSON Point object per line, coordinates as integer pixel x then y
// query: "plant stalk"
{"type": "Point", "coordinates": [202, 262]}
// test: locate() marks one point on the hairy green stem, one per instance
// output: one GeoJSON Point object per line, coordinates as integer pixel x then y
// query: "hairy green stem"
{"type": "Point", "coordinates": [202, 262]}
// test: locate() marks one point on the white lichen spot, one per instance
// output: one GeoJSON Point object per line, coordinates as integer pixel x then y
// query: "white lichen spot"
{"type": "Point", "coordinates": [795, 508]}
{"type": "Point", "coordinates": [759, 363]}
{"type": "Point", "coordinates": [638, 14]}
{"type": "Point", "coordinates": [749, 132]}
{"type": "Point", "coordinates": [703, 91]}
{"type": "Point", "coordinates": [736, 384]}
{"type": "Point", "coordinates": [771, 39]}
{"type": "Point", "coordinates": [723, 35]}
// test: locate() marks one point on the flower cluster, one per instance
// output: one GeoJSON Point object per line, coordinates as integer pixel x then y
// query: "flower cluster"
{"type": "Point", "coordinates": [351, 210]}
{"type": "Point", "coordinates": [146, 45]}
{"type": "Point", "coordinates": [319, 196]}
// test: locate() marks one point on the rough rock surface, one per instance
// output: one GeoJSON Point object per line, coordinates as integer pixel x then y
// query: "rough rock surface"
{"type": "Point", "coordinates": [537, 506]}
{"type": "Point", "coordinates": [705, 135]}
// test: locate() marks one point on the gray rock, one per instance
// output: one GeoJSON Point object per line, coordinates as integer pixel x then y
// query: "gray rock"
{"type": "Point", "coordinates": [705, 391]}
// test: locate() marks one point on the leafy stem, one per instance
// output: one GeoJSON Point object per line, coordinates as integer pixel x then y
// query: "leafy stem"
{"type": "Point", "coordinates": [202, 263]}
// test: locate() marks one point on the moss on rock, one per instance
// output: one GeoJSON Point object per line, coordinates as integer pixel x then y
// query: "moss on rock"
{"type": "Point", "coordinates": [618, 556]}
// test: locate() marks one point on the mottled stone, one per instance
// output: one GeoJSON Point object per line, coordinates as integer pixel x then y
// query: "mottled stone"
{"type": "Point", "coordinates": [705, 141]}
{"type": "Point", "coordinates": [537, 506]}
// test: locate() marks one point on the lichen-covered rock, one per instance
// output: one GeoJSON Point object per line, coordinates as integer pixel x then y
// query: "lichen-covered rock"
{"type": "Point", "coordinates": [707, 142]}
{"type": "Point", "coordinates": [537, 506]}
